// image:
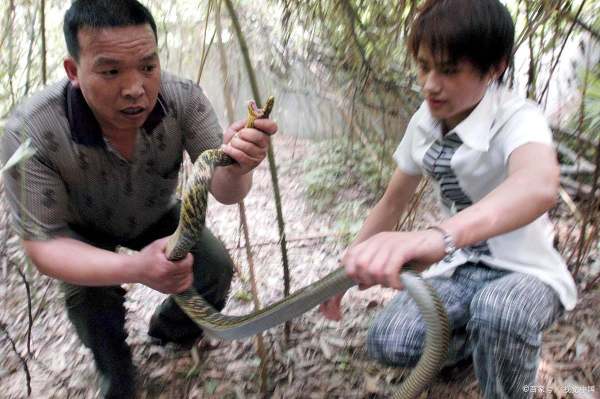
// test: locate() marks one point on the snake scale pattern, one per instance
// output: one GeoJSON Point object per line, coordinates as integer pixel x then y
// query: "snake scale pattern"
{"type": "Point", "coordinates": [191, 223]}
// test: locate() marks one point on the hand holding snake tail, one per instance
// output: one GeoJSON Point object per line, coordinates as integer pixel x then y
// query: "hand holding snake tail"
{"type": "Point", "coordinates": [215, 324]}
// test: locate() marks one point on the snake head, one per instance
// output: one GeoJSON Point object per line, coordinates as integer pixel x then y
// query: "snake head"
{"type": "Point", "coordinates": [254, 112]}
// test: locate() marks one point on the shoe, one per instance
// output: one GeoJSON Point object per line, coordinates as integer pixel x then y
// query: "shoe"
{"type": "Point", "coordinates": [457, 370]}
{"type": "Point", "coordinates": [159, 335]}
{"type": "Point", "coordinates": [120, 386]}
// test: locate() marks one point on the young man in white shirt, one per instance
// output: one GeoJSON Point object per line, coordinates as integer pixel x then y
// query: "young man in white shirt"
{"type": "Point", "coordinates": [490, 156]}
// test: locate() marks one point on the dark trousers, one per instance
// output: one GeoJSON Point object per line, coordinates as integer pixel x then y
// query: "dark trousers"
{"type": "Point", "coordinates": [98, 314]}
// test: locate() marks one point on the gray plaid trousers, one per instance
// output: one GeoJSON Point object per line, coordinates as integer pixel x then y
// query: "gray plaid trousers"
{"type": "Point", "coordinates": [495, 316]}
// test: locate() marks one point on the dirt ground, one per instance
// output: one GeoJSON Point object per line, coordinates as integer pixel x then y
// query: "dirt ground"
{"type": "Point", "coordinates": [323, 359]}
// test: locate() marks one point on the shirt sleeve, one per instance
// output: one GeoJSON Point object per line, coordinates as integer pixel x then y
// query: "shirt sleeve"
{"type": "Point", "coordinates": [527, 125]}
{"type": "Point", "coordinates": [201, 127]}
{"type": "Point", "coordinates": [404, 152]}
{"type": "Point", "coordinates": [34, 191]}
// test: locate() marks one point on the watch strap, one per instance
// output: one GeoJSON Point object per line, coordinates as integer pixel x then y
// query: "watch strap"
{"type": "Point", "coordinates": [449, 244]}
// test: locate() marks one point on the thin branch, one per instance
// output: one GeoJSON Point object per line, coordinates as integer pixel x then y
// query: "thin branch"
{"type": "Point", "coordinates": [294, 239]}
{"type": "Point", "coordinates": [21, 358]}
{"type": "Point", "coordinates": [29, 307]}
{"type": "Point", "coordinates": [351, 13]}
{"type": "Point", "coordinates": [592, 283]}
{"type": "Point", "coordinates": [566, 39]}
{"type": "Point", "coordinates": [589, 29]}
{"type": "Point", "coordinates": [260, 345]}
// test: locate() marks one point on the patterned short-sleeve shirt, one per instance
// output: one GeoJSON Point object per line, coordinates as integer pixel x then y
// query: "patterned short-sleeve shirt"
{"type": "Point", "coordinates": [77, 179]}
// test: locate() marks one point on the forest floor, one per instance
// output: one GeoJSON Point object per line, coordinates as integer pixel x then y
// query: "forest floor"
{"type": "Point", "coordinates": [323, 359]}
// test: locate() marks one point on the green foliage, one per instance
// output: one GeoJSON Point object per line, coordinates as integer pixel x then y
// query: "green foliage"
{"type": "Point", "coordinates": [24, 152]}
{"type": "Point", "coordinates": [591, 107]}
{"type": "Point", "coordinates": [352, 217]}
{"type": "Point", "coordinates": [586, 121]}
{"type": "Point", "coordinates": [356, 39]}
{"type": "Point", "coordinates": [243, 296]}
{"type": "Point", "coordinates": [210, 386]}
{"type": "Point", "coordinates": [345, 178]}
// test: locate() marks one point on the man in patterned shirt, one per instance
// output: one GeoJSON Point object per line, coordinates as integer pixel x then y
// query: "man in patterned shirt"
{"type": "Point", "coordinates": [109, 143]}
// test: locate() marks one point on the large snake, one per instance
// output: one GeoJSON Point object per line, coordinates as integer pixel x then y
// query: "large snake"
{"type": "Point", "coordinates": [191, 223]}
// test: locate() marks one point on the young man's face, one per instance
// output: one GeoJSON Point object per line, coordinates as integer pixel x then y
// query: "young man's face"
{"type": "Point", "coordinates": [119, 74]}
{"type": "Point", "coordinates": [451, 91]}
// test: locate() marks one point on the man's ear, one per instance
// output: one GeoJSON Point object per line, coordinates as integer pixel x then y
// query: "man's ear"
{"type": "Point", "coordinates": [71, 66]}
{"type": "Point", "coordinates": [499, 69]}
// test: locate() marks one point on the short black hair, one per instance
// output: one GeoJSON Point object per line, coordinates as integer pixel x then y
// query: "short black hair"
{"type": "Point", "coordinates": [101, 14]}
{"type": "Point", "coordinates": [480, 31]}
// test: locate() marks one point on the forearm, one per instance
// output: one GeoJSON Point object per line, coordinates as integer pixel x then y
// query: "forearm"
{"type": "Point", "coordinates": [517, 202]}
{"type": "Point", "coordinates": [79, 263]}
{"type": "Point", "coordinates": [229, 187]}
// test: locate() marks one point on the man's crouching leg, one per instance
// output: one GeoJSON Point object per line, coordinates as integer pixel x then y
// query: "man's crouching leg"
{"type": "Point", "coordinates": [396, 336]}
{"type": "Point", "coordinates": [98, 315]}
{"type": "Point", "coordinates": [508, 318]}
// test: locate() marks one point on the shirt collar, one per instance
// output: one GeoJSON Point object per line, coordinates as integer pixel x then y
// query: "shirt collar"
{"type": "Point", "coordinates": [475, 130]}
{"type": "Point", "coordinates": [84, 126]}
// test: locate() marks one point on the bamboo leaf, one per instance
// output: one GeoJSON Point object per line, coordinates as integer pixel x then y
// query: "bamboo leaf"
{"type": "Point", "coordinates": [23, 153]}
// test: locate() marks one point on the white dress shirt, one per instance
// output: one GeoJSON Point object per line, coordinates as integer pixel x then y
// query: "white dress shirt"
{"type": "Point", "coordinates": [468, 163]}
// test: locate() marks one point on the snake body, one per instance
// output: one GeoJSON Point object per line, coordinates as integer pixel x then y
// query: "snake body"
{"type": "Point", "coordinates": [191, 223]}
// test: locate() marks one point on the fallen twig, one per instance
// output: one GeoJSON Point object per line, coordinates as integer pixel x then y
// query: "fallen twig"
{"type": "Point", "coordinates": [21, 358]}
{"type": "Point", "coordinates": [306, 238]}
{"type": "Point", "coordinates": [29, 307]}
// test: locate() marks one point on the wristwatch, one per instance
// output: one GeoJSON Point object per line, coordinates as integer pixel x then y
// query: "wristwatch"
{"type": "Point", "coordinates": [449, 245]}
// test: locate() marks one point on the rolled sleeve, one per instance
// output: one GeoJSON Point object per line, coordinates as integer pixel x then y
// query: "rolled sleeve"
{"type": "Point", "coordinates": [404, 154]}
{"type": "Point", "coordinates": [35, 193]}
{"type": "Point", "coordinates": [528, 125]}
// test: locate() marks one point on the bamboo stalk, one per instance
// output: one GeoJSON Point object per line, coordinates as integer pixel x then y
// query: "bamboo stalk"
{"type": "Point", "coordinates": [30, 53]}
{"type": "Point", "coordinates": [11, 64]}
{"type": "Point", "coordinates": [260, 345]}
{"type": "Point", "coordinates": [43, 32]}
{"type": "Point", "coordinates": [270, 154]}
{"type": "Point", "coordinates": [205, 48]}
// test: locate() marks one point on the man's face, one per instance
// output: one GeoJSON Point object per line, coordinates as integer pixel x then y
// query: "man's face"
{"type": "Point", "coordinates": [451, 91]}
{"type": "Point", "coordinates": [118, 73]}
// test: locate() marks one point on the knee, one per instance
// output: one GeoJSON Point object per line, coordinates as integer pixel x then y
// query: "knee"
{"type": "Point", "coordinates": [82, 297]}
{"type": "Point", "coordinates": [212, 262]}
{"type": "Point", "coordinates": [395, 346]}
{"type": "Point", "coordinates": [496, 314]}
{"type": "Point", "coordinates": [214, 271]}
{"type": "Point", "coordinates": [95, 312]}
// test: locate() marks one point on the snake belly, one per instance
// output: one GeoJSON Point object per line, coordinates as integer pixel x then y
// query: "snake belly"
{"type": "Point", "coordinates": [215, 324]}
